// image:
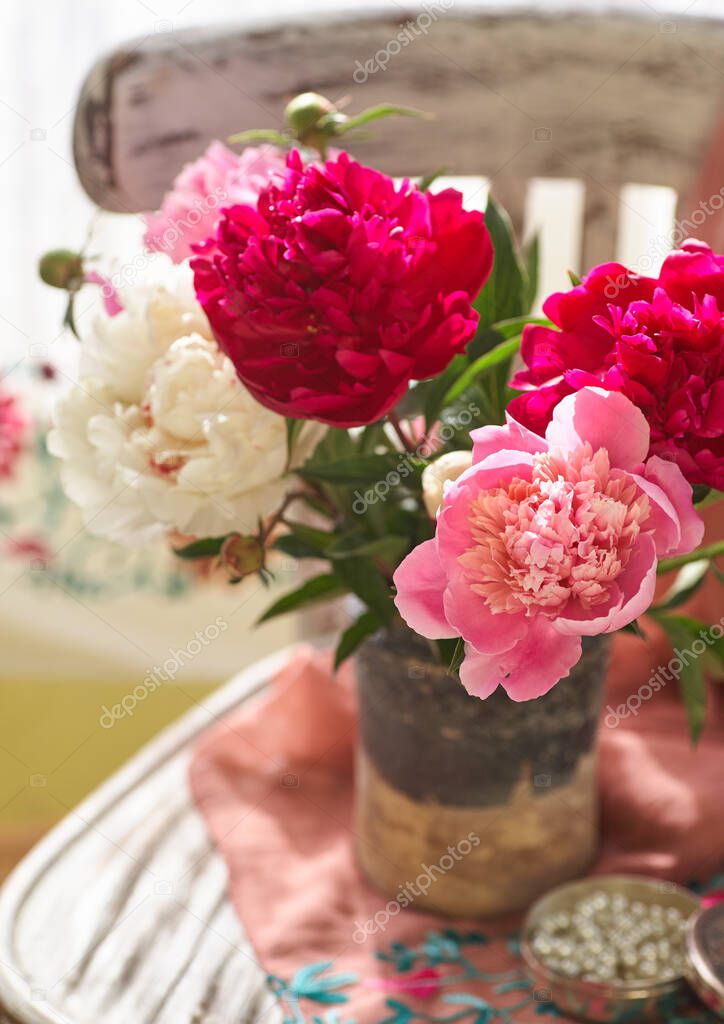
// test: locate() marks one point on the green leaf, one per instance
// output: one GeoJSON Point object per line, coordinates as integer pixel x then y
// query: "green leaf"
{"type": "Point", "coordinates": [336, 444]}
{"type": "Point", "coordinates": [294, 547]}
{"type": "Point", "coordinates": [374, 114]}
{"type": "Point", "coordinates": [387, 549]}
{"type": "Point", "coordinates": [361, 469]}
{"type": "Point", "coordinates": [361, 578]}
{"type": "Point", "coordinates": [688, 580]}
{"type": "Point", "coordinates": [633, 627]}
{"type": "Point", "coordinates": [429, 179]}
{"type": "Point", "coordinates": [504, 294]}
{"type": "Point", "coordinates": [438, 388]}
{"type": "Point", "coordinates": [502, 352]}
{"type": "Point", "coordinates": [574, 278]}
{"type": "Point", "coordinates": [261, 135]}
{"type": "Point", "coordinates": [452, 653]}
{"type": "Point", "coordinates": [514, 327]}
{"type": "Point", "coordinates": [294, 429]}
{"type": "Point", "coordinates": [699, 492]}
{"type": "Point", "coordinates": [683, 631]}
{"type": "Point", "coordinates": [364, 626]}
{"type": "Point", "coordinates": [712, 497]}
{"type": "Point", "coordinates": [304, 542]}
{"type": "Point", "coordinates": [69, 317]}
{"type": "Point", "coordinates": [207, 547]}
{"type": "Point", "coordinates": [680, 629]}
{"type": "Point", "coordinates": [709, 551]}
{"type": "Point", "coordinates": [319, 588]}
{"type": "Point", "coordinates": [374, 436]}
{"type": "Point", "coordinates": [692, 686]}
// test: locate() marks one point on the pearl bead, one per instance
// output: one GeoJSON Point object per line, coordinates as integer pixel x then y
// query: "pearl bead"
{"type": "Point", "coordinates": [607, 938]}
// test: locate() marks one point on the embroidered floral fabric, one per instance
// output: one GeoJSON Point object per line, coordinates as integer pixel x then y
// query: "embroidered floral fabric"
{"type": "Point", "coordinates": [450, 968]}
{"type": "Point", "coordinates": [42, 533]}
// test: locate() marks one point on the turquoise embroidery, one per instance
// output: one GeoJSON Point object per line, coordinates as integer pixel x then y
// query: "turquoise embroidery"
{"type": "Point", "coordinates": [416, 967]}
{"type": "Point", "coordinates": [309, 983]}
{"type": "Point", "coordinates": [446, 947]}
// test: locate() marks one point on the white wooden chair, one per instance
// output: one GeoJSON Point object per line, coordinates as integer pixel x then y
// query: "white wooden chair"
{"type": "Point", "coordinates": [597, 130]}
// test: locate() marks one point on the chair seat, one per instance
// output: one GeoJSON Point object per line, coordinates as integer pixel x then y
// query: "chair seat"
{"type": "Point", "coordinates": [121, 913]}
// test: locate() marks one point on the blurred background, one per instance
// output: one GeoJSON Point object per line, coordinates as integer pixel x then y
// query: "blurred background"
{"type": "Point", "coordinates": [82, 620]}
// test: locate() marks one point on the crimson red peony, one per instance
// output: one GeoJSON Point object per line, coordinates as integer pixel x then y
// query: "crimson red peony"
{"type": "Point", "coordinates": [659, 341]}
{"type": "Point", "coordinates": [340, 287]}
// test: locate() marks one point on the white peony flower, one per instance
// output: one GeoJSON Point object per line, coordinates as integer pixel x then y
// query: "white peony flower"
{"type": "Point", "coordinates": [435, 476]}
{"type": "Point", "coordinates": [162, 435]}
{"type": "Point", "coordinates": [159, 308]}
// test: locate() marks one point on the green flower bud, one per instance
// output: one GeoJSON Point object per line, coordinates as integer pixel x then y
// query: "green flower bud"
{"type": "Point", "coordinates": [241, 556]}
{"type": "Point", "coordinates": [61, 268]}
{"type": "Point", "coordinates": [303, 115]}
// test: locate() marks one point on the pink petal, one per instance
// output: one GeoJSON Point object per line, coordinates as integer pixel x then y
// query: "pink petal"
{"type": "Point", "coordinates": [111, 299]}
{"type": "Point", "coordinates": [420, 585]}
{"type": "Point", "coordinates": [672, 482]}
{"type": "Point", "coordinates": [540, 659]}
{"type": "Point", "coordinates": [579, 621]}
{"type": "Point", "coordinates": [663, 521]}
{"type": "Point", "coordinates": [478, 673]}
{"type": "Point", "coordinates": [453, 523]}
{"type": "Point", "coordinates": [605, 419]}
{"type": "Point", "coordinates": [487, 631]}
{"type": "Point", "coordinates": [631, 597]}
{"type": "Point", "coordinates": [512, 437]}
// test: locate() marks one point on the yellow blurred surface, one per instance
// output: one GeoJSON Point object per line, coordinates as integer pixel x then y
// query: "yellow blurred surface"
{"type": "Point", "coordinates": [54, 751]}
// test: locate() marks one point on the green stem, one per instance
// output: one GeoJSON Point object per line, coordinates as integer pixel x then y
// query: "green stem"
{"type": "Point", "coordinates": [710, 551]}
{"type": "Point", "coordinates": [397, 427]}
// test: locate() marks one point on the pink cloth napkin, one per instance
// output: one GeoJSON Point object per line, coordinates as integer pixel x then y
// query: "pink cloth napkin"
{"type": "Point", "coordinates": [274, 783]}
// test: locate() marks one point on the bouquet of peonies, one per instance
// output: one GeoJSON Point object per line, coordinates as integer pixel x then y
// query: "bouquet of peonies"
{"type": "Point", "coordinates": [324, 362]}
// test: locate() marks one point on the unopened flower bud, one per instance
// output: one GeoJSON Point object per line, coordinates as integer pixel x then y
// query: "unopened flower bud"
{"type": "Point", "coordinates": [241, 556]}
{"type": "Point", "coordinates": [61, 268]}
{"type": "Point", "coordinates": [447, 468]}
{"type": "Point", "coordinates": [303, 115]}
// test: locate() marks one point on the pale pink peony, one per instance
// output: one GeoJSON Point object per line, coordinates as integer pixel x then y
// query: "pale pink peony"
{"type": "Point", "coordinates": [192, 207]}
{"type": "Point", "coordinates": [545, 540]}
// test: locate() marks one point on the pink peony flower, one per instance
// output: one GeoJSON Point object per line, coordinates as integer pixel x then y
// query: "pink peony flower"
{"type": "Point", "coordinates": [13, 426]}
{"type": "Point", "coordinates": [341, 287]}
{"type": "Point", "coordinates": [545, 540]}
{"type": "Point", "coordinates": [660, 342]}
{"type": "Point", "coordinates": [191, 209]}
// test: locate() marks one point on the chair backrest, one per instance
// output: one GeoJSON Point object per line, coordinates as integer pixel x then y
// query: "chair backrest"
{"type": "Point", "coordinates": [596, 129]}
